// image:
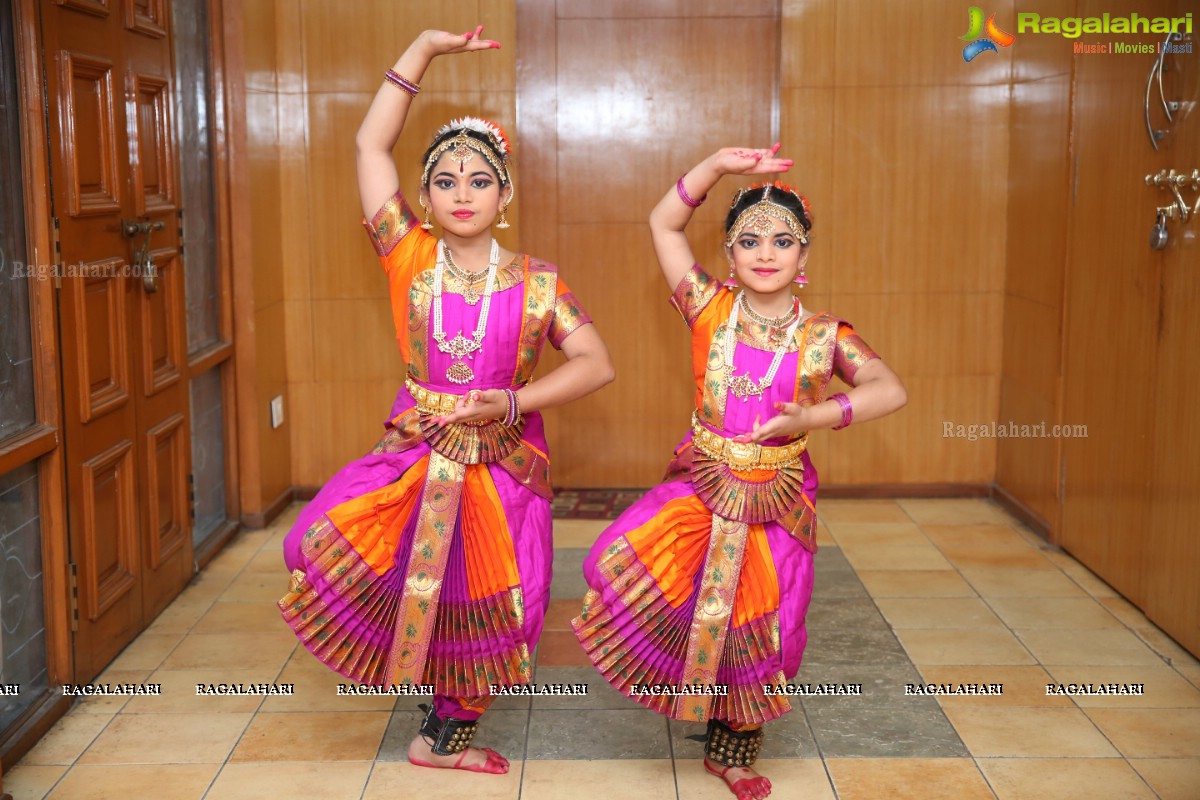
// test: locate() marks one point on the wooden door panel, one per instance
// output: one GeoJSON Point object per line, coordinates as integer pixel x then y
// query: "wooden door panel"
{"type": "Point", "coordinates": [147, 17]}
{"type": "Point", "coordinates": [89, 138]}
{"type": "Point", "coordinates": [110, 527]}
{"type": "Point", "coordinates": [98, 8]}
{"type": "Point", "coordinates": [99, 316]}
{"type": "Point", "coordinates": [151, 156]}
{"type": "Point", "coordinates": [162, 323]}
{"type": "Point", "coordinates": [166, 489]}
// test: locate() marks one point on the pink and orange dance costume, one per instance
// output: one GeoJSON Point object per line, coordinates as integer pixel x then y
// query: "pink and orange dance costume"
{"type": "Point", "coordinates": [428, 561]}
{"type": "Point", "coordinates": [705, 581]}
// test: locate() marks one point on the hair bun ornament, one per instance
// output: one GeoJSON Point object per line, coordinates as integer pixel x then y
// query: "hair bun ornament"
{"type": "Point", "coordinates": [479, 125]}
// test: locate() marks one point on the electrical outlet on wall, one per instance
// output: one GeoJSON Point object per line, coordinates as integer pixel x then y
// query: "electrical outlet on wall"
{"type": "Point", "coordinates": [276, 411]}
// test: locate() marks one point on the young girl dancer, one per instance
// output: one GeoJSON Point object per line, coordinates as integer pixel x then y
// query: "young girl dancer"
{"type": "Point", "coordinates": [427, 562]}
{"type": "Point", "coordinates": [698, 591]}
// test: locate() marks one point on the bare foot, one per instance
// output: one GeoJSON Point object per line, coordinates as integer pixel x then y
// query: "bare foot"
{"type": "Point", "coordinates": [745, 783]}
{"type": "Point", "coordinates": [473, 759]}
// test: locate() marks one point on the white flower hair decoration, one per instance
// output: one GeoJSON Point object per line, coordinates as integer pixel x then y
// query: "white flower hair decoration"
{"type": "Point", "coordinates": [489, 129]}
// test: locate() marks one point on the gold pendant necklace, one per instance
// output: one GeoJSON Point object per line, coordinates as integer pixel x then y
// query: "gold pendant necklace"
{"type": "Point", "coordinates": [744, 386]}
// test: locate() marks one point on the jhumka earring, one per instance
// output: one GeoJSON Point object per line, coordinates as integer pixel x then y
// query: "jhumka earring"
{"type": "Point", "coordinates": [427, 225]}
{"type": "Point", "coordinates": [801, 280]}
{"type": "Point", "coordinates": [503, 221]}
{"type": "Point", "coordinates": [732, 282]}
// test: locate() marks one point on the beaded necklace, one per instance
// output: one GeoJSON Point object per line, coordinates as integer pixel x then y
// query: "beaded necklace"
{"type": "Point", "coordinates": [460, 347]}
{"type": "Point", "coordinates": [744, 386]}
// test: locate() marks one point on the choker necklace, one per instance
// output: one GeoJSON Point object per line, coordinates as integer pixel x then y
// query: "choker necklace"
{"type": "Point", "coordinates": [744, 386]}
{"type": "Point", "coordinates": [469, 279]}
{"type": "Point", "coordinates": [759, 319]}
{"type": "Point", "coordinates": [460, 347]}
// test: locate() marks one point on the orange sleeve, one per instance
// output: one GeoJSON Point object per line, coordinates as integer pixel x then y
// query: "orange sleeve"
{"type": "Point", "coordinates": [404, 250]}
{"type": "Point", "coordinates": [851, 353]}
{"type": "Point", "coordinates": [569, 316]}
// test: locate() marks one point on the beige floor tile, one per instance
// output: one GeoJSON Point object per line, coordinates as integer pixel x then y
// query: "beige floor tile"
{"type": "Point", "coordinates": [908, 779]}
{"type": "Point", "coordinates": [978, 556]}
{"type": "Point", "coordinates": [1169, 651]}
{"type": "Point", "coordinates": [1063, 779]}
{"type": "Point", "coordinates": [146, 652]}
{"type": "Point", "coordinates": [578, 532]}
{"type": "Point", "coordinates": [179, 617]}
{"type": "Point", "coordinates": [1163, 686]}
{"type": "Point", "coordinates": [1022, 583]}
{"type": "Point", "coordinates": [965, 511]}
{"type": "Point", "coordinates": [313, 736]}
{"type": "Point", "coordinates": [275, 543]}
{"type": "Point", "coordinates": [915, 583]}
{"type": "Point", "coordinates": [1053, 612]}
{"type": "Point", "coordinates": [1023, 686]}
{"type": "Point", "coordinates": [263, 652]}
{"type": "Point", "coordinates": [953, 612]}
{"type": "Point", "coordinates": [69, 737]}
{"type": "Point", "coordinates": [326, 780]}
{"type": "Point", "coordinates": [167, 739]}
{"type": "Point", "coordinates": [1172, 778]}
{"type": "Point", "coordinates": [800, 777]}
{"type": "Point", "coordinates": [824, 537]}
{"type": "Point", "coordinates": [110, 704]}
{"type": "Point", "coordinates": [224, 618]}
{"type": "Point", "coordinates": [316, 688]}
{"type": "Point", "coordinates": [267, 561]}
{"type": "Point", "coordinates": [859, 534]}
{"type": "Point", "coordinates": [1086, 647]}
{"type": "Point", "coordinates": [978, 535]}
{"type": "Point", "coordinates": [391, 780]}
{"type": "Point", "coordinates": [1086, 579]}
{"type": "Point", "coordinates": [959, 646]}
{"type": "Point", "coordinates": [257, 587]}
{"type": "Point", "coordinates": [583, 780]}
{"type": "Point", "coordinates": [1151, 733]}
{"type": "Point", "coordinates": [1028, 732]}
{"type": "Point", "coordinates": [179, 693]}
{"type": "Point", "coordinates": [892, 557]}
{"type": "Point", "coordinates": [159, 781]}
{"type": "Point", "coordinates": [30, 782]}
{"type": "Point", "coordinates": [244, 546]}
{"type": "Point", "coordinates": [861, 511]}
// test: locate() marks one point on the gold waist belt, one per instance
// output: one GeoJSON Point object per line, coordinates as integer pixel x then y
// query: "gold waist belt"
{"type": "Point", "coordinates": [428, 401]}
{"type": "Point", "coordinates": [745, 456]}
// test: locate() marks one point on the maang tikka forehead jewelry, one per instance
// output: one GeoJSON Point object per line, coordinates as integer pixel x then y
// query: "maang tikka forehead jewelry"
{"type": "Point", "coordinates": [758, 218]}
{"type": "Point", "coordinates": [462, 147]}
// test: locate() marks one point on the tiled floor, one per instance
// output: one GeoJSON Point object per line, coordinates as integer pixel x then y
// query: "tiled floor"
{"type": "Point", "coordinates": [941, 591]}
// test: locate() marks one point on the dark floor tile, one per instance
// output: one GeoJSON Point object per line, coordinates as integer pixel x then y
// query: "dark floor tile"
{"type": "Point", "coordinates": [882, 686]}
{"type": "Point", "coordinates": [601, 734]}
{"type": "Point", "coordinates": [400, 731]}
{"type": "Point", "coordinates": [600, 695]}
{"type": "Point", "coordinates": [858, 646]}
{"type": "Point", "coordinates": [567, 582]}
{"type": "Point", "coordinates": [865, 732]}
{"type": "Point", "coordinates": [844, 612]}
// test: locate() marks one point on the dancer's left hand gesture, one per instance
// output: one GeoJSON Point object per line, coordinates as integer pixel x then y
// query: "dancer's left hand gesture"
{"type": "Point", "coordinates": [792, 419]}
{"type": "Point", "coordinates": [750, 161]}
{"type": "Point", "coordinates": [477, 406]}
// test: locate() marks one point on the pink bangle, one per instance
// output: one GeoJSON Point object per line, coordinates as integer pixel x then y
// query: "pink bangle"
{"type": "Point", "coordinates": [396, 79]}
{"type": "Point", "coordinates": [847, 409]}
{"type": "Point", "coordinates": [514, 408]}
{"type": "Point", "coordinates": [684, 196]}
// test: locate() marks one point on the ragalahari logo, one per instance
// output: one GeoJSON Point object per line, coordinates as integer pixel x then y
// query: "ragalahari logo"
{"type": "Point", "coordinates": [983, 37]}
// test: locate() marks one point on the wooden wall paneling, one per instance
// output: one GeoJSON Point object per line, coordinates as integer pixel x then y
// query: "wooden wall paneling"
{"type": "Point", "coordinates": [1112, 315]}
{"type": "Point", "coordinates": [1172, 548]}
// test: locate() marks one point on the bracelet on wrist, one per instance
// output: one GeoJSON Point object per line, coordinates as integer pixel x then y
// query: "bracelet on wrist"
{"type": "Point", "coordinates": [401, 82]}
{"type": "Point", "coordinates": [684, 196]}
{"type": "Point", "coordinates": [847, 410]}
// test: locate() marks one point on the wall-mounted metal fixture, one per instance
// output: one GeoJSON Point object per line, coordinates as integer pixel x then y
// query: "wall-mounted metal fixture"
{"type": "Point", "coordinates": [1178, 208]}
{"type": "Point", "coordinates": [1155, 80]}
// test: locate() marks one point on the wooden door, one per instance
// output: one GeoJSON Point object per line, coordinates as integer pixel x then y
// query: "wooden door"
{"type": "Point", "coordinates": [1172, 591]}
{"type": "Point", "coordinates": [121, 312]}
{"type": "Point", "coordinates": [1112, 305]}
{"type": "Point", "coordinates": [615, 102]}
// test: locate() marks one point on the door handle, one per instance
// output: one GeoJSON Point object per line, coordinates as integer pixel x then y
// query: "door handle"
{"type": "Point", "coordinates": [143, 264]}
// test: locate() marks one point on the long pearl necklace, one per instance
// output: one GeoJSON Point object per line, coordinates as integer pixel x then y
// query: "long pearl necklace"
{"type": "Point", "coordinates": [744, 386]}
{"type": "Point", "coordinates": [460, 347]}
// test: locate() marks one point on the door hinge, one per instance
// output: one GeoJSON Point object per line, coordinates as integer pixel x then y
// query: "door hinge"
{"type": "Point", "coordinates": [74, 598]}
{"type": "Point", "coordinates": [192, 495]}
{"type": "Point", "coordinates": [179, 230]}
{"type": "Point", "coordinates": [56, 244]}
